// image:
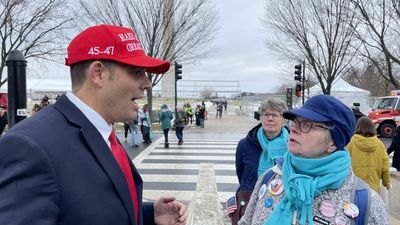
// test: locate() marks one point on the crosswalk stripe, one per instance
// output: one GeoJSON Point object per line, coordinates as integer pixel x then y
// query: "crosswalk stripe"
{"type": "Point", "coordinates": [202, 144]}
{"type": "Point", "coordinates": [166, 157]}
{"type": "Point", "coordinates": [186, 178]}
{"type": "Point", "coordinates": [211, 148]}
{"type": "Point", "coordinates": [182, 166]}
{"type": "Point", "coordinates": [193, 151]}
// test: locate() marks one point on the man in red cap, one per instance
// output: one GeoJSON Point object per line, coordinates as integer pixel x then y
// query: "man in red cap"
{"type": "Point", "coordinates": [64, 165]}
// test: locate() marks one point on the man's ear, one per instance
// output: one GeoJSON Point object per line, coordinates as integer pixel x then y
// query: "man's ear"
{"type": "Point", "coordinates": [332, 148]}
{"type": "Point", "coordinates": [96, 73]}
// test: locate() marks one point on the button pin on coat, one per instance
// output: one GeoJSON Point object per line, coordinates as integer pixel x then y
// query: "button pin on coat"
{"type": "Point", "coordinates": [276, 186]}
{"type": "Point", "coordinates": [262, 191]}
{"type": "Point", "coordinates": [350, 210]}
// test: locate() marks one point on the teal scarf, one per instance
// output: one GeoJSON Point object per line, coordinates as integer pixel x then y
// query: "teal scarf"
{"type": "Point", "coordinates": [272, 150]}
{"type": "Point", "coordinates": [306, 178]}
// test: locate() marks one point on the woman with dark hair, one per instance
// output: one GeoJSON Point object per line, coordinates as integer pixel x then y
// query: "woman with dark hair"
{"type": "Point", "coordinates": [369, 159]}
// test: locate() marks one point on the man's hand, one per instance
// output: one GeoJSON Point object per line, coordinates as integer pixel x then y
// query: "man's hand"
{"type": "Point", "coordinates": [167, 211]}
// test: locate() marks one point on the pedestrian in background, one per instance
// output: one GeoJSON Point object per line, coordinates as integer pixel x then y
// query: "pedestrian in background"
{"type": "Point", "coordinates": [165, 118]}
{"type": "Point", "coordinates": [3, 118]}
{"type": "Point", "coordinates": [369, 159]}
{"type": "Point", "coordinates": [202, 115]}
{"type": "Point", "coordinates": [126, 131]}
{"type": "Point", "coordinates": [316, 184]}
{"type": "Point", "coordinates": [144, 117]}
{"type": "Point", "coordinates": [189, 112]}
{"type": "Point", "coordinates": [65, 164]}
{"type": "Point", "coordinates": [395, 146]}
{"type": "Point", "coordinates": [133, 125]}
{"type": "Point", "coordinates": [197, 115]}
{"type": "Point", "coordinates": [264, 145]}
{"type": "Point", "coordinates": [44, 102]}
{"type": "Point", "coordinates": [35, 109]}
{"type": "Point", "coordinates": [219, 110]}
{"type": "Point", "coordinates": [356, 111]}
{"type": "Point", "coordinates": [225, 105]}
{"type": "Point", "coordinates": [180, 122]}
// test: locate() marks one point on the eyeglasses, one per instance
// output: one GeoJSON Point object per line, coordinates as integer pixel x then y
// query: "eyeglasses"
{"type": "Point", "coordinates": [305, 125]}
{"type": "Point", "coordinates": [273, 115]}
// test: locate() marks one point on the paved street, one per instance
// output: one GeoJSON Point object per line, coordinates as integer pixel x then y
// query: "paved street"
{"type": "Point", "coordinates": [174, 171]}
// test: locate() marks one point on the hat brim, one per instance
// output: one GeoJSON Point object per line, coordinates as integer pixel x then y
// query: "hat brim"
{"type": "Point", "coordinates": [306, 114]}
{"type": "Point", "coordinates": [151, 64]}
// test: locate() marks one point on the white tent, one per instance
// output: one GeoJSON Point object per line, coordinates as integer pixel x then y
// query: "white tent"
{"type": "Point", "coordinates": [346, 93]}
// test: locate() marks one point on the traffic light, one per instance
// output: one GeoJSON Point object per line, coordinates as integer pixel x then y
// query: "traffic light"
{"type": "Point", "coordinates": [298, 90]}
{"type": "Point", "coordinates": [289, 95]}
{"type": "Point", "coordinates": [297, 71]}
{"type": "Point", "coordinates": [178, 71]}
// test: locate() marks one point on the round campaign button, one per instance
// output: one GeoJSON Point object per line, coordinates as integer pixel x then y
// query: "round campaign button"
{"type": "Point", "coordinates": [340, 220]}
{"type": "Point", "coordinates": [268, 202]}
{"type": "Point", "coordinates": [327, 208]}
{"type": "Point", "coordinates": [242, 203]}
{"type": "Point", "coordinates": [350, 210]}
{"type": "Point", "coordinates": [262, 191]}
{"type": "Point", "coordinates": [275, 187]}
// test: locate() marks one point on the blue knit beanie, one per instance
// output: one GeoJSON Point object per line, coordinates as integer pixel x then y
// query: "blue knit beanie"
{"type": "Point", "coordinates": [330, 111]}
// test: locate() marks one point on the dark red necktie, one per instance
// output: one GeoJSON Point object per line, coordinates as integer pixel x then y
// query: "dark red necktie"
{"type": "Point", "coordinates": [123, 162]}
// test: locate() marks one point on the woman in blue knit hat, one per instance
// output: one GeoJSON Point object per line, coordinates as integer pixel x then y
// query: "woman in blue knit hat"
{"type": "Point", "coordinates": [316, 184]}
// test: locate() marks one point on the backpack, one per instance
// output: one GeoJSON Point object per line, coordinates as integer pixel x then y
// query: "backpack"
{"type": "Point", "coordinates": [360, 196]}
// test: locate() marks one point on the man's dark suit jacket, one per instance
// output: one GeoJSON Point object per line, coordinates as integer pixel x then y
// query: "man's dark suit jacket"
{"type": "Point", "coordinates": [55, 168]}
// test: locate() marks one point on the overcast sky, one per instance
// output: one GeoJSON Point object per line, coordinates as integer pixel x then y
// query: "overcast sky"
{"type": "Point", "coordinates": [240, 53]}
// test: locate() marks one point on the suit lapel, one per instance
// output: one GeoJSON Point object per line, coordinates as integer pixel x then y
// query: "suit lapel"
{"type": "Point", "coordinates": [101, 152]}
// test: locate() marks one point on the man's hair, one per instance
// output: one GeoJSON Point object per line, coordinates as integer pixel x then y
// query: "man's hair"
{"type": "Point", "coordinates": [365, 127]}
{"type": "Point", "coordinates": [78, 72]}
{"type": "Point", "coordinates": [275, 104]}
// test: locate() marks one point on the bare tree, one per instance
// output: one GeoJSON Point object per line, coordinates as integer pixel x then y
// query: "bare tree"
{"type": "Point", "coordinates": [33, 27]}
{"type": "Point", "coordinates": [379, 33]}
{"type": "Point", "coordinates": [206, 93]}
{"type": "Point", "coordinates": [173, 30]}
{"type": "Point", "coordinates": [319, 31]}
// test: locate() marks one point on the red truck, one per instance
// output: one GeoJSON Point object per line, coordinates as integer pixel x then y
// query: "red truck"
{"type": "Point", "coordinates": [383, 113]}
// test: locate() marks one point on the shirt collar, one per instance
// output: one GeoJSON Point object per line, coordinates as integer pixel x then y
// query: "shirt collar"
{"type": "Point", "coordinates": [98, 122]}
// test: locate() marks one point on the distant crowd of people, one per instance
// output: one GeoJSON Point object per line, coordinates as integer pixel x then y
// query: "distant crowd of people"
{"type": "Point", "coordinates": [168, 120]}
{"type": "Point", "coordinates": [220, 105]}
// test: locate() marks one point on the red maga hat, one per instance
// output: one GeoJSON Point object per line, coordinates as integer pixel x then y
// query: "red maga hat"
{"type": "Point", "coordinates": [109, 42]}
